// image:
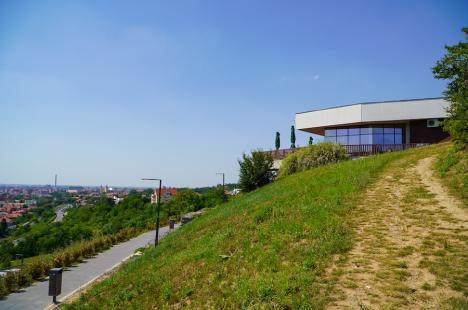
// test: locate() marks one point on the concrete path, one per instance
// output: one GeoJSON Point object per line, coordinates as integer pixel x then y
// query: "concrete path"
{"type": "Point", "coordinates": [36, 296]}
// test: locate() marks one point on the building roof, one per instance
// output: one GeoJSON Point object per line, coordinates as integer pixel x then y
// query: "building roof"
{"type": "Point", "coordinates": [371, 112]}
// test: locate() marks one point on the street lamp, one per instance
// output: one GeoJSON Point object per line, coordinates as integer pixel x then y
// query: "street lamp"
{"type": "Point", "coordinates": [159, 209]}
{"type": "Point", "coordinates": [222, 173]}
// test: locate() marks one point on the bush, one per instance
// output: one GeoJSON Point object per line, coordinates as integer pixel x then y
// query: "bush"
{"type": "Point", "coordinates": [255, 170]}
{"type": "Point", "coordinates": [312, 156]}
{"type": "Point", "coordinates": [11, 282]}
{"type": "Point", "coordinates": [38, 269]}
{"type": "Point", "coordinates": [3, 289]}
{"type": "Point", "coordinates": [24, 278]}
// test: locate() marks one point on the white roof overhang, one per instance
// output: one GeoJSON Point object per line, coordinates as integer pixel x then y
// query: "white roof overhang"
{"type": "Point", "coordinates": [372, 112]}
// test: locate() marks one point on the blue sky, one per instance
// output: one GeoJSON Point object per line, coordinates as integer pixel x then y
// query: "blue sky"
{"type": "Point", "coordinates": [107, 92]}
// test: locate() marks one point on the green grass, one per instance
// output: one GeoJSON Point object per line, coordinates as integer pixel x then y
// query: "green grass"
{"type": "Point", "coordinates": [266, 249]}
{"type": "Point", "coordinates": [452, 166]}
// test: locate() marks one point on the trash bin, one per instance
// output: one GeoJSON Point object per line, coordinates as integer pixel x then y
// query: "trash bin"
{"type": "Point", "coordinates": [55, 282]}
{"type": "Point", "coordinates": [171, 224]}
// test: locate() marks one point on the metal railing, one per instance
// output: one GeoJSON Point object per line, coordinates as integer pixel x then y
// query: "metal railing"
{"type": "Point", "coordinates": [356, 150]}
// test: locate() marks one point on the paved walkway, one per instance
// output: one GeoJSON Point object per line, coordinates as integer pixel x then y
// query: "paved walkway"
{"type": "Point", "coordinates": [36, 296]}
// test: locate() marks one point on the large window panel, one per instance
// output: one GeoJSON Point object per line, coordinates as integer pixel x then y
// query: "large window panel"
{"type": "Point", "coordinates": [353, 131]}
{"type": "Point", "coordinates": [330, 139]}
{"type": "Point", "coordinates": [389, 139]}
{"type": "Point", "coordinates": [377, 139]}
{"type": "Point", "coordinates": [365, 131]}
{"type": "Point", "coordinates": [398, 139]}
{"type": "Point", "coordinates": [389, 130]}
{"type": "Point", "coordinates": [342, 132]}
{"type": "Point", "coordinates": [353, 140]}
{"type": "Point", "coordinates": [330, 132]}
{"type": "Point", "coordinates": [366, 139]}
{"type": "Point", "coordinates": [342, 140]}
{"type": "Point", "coordinates": [399, 130]}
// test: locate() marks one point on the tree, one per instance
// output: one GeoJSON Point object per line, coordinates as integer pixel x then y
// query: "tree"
{"type": "Point", "coordinates": [311, 140]}
{"type": "Point", "coordinates": [454, 68]}
{"type": "Point", "coordinates": [3, 228]}
{"type": "Point", "coordinates": [255, 170]}
{"type": "Point", "coordinates": [277, 141]}
{"type": "Point", "coordinates": [213, 197]}
{"type": "Point", "coordinates": [293, 138]}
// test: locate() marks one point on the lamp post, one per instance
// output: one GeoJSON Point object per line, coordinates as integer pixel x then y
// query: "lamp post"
{"type": "Point", "coordinates": [222, 173]}
{"type": "Point", "coordinates": [159, 208]}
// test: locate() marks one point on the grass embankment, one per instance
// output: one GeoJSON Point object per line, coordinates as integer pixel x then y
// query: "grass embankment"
{"type": "Point", "coordinates": [452, 166]}
{"type": "Point", "coordinates": [268, 248]}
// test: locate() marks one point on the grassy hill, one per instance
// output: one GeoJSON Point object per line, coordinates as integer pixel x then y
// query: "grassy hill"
{"type": "Point", "coordinates": [266, 249]}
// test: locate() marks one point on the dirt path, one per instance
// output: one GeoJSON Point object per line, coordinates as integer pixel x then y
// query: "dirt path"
{"type": "Point", "coordinates": [411, 250]}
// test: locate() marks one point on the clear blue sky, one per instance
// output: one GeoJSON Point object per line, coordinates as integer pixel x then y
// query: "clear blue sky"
{"type": "Point", "coordinates": [107, 92]}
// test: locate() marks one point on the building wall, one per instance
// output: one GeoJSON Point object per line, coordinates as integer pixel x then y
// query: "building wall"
{"type": "Point", "coordinates": [420, 133]}
{"type": "Point", "coordinates": [363, 113]}
{"type": "Point", "coordinates": [404, 110]}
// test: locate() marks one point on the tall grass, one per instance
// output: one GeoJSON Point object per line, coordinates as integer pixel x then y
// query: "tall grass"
{"type": "Point", "coordinates": [266, 249]}
{"type": "Point", "coordinates": [452, 166]}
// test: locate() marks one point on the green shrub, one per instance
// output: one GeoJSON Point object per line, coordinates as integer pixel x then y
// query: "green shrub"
{"type": "Point", "coordinates": [312, 156]}
{"type": "Point", "coordinates": [67, 259]}
{"type": "Point", "coordinates": [3, 290]}
{"type": "Point", "coordinates": [255, 170]}
{"type": "Point", "coordinates": [11, 282]}
{"type": "Point", "coordinates": [23, 278]}
{"type": "Point", "coordinates": [58, 261]}
{"type": "Point", "coordinates": [38, 269]}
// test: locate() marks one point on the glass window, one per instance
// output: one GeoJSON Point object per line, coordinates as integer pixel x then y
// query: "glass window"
{"type": "Point", "coordinates": [377, 139]}
{"type": "Point", "coordinates": [389, 130]}
{"type": "Point", "coordinates": [365, 130]}
{"type": "Point", "coordinates": [399, 130]}
{"type": "Point", "coordinates": [330, 132]}
{"type": "Point", "coordinates": [330, 139]}
{"type": "Point", "coordinates": [389, 139]}
{"type": "Point", "coordinates": [377, 130]}
{"type": "Point", "coordinates": [342, 140]}
{"type": "Point", "coordinates": [353, 140]}
{"type": "Point", "coordinates": [398, 138]}
{"type": "Point", "coordinates": [342, 132]}
{"type": "Point", "coordinates": [366, 139]}
{"type": "Point", "coordinates": [353, 131]}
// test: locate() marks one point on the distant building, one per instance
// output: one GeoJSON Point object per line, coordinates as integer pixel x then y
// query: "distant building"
{"type": "Point", "coordinates": [166, 194]}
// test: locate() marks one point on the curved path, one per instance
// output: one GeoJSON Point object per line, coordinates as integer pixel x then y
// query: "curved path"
{"type": "Point", "coordinates": [411, 245]}
{"type": "Point", "coordinates": [75, 278]}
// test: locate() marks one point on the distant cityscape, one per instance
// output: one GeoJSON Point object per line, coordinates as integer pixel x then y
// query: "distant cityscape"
{"type": "Point", "coordinates": [17, 200]}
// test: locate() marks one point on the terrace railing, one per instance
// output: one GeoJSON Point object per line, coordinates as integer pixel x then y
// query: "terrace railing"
{"type": "Point", "coordinates": [357, 150]}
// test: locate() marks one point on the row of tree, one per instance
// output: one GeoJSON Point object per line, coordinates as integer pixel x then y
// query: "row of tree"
{"type": "Point", "coordinates": [293, 139]}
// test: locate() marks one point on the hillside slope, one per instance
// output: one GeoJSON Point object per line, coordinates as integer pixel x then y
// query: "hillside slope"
{"type": "Point", "coordinates": [272, 248]}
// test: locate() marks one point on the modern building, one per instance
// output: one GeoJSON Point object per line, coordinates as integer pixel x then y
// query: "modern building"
{"type": "Point", "coordinates": [402, 122]}
{"type": "Point", "coordinates": [376, 127]}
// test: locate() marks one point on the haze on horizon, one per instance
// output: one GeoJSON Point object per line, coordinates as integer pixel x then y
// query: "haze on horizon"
{"type": "Point", "coordinates": [108, 92]}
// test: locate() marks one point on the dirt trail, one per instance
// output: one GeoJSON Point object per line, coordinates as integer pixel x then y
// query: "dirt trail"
{"type": "Point", "coordinates": [411, 249]}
